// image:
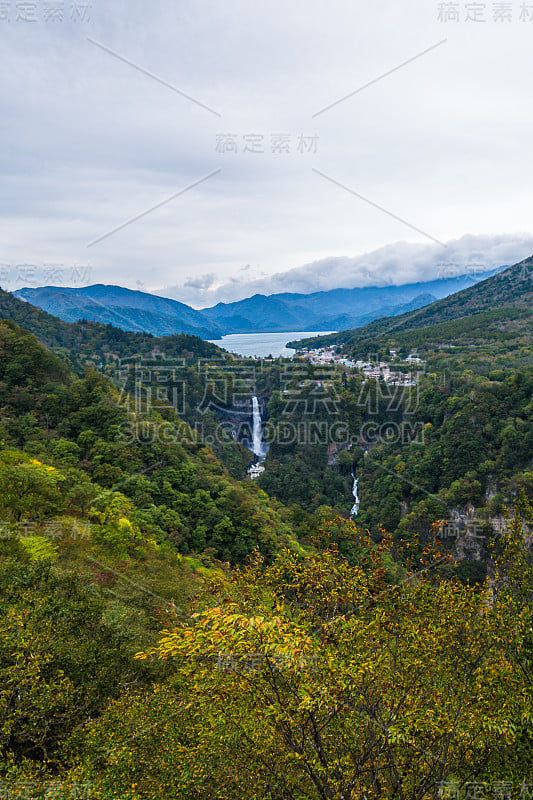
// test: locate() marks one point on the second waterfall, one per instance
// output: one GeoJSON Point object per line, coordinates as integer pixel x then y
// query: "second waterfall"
{"type": "Point", "coordinates": [355, 507]}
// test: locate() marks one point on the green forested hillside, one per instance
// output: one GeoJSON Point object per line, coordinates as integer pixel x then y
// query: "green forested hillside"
{"type": "Point", "coordinates": [459, 438]}
{"type": "Point", "coordinates": [170, 631]}
{"type": "Point", "coordinates": [102, 538]}
{"type": "Point", "coordinates": [511, 289]}
{"type": "Point", "coordinates": [457, 446]}
{"type": "Point", "coordinates": [175, 488]}
{"type": "Point", "coordinates": [79, 342]}
{"type": "Point", "coordinates": [115, 353]}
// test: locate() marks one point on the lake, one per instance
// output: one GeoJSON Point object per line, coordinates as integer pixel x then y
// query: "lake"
{"type": "Point", "coordinates": [263, 345]}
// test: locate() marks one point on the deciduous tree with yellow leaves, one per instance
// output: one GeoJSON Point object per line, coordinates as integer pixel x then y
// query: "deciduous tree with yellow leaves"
{"type": "Point", "coordinates": [311, 678]}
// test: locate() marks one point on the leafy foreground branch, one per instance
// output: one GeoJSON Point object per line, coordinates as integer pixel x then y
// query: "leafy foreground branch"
{"type": "Point", "coordinates": [311, 678]}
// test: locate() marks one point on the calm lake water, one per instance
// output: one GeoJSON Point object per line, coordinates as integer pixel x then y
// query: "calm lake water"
{"type": "Point", "coordinates": [263, 345]}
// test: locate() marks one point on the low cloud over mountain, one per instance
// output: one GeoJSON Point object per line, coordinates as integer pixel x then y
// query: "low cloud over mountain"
{"type": "Point", "coordinates": [394, 265]}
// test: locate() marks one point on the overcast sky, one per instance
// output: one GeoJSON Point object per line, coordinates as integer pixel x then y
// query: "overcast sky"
{"type": "Point", "coordinates": [227, 140]}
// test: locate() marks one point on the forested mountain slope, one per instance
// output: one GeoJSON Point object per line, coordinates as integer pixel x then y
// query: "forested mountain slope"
{"type": "Point", "coordinates": [173, 485]}
{"type": "Point", "coordinates": [94, 341]}
{"type": "Point", "coordinates": [124, 308]}
{"type": "Point", "coordinates": [511, 289]}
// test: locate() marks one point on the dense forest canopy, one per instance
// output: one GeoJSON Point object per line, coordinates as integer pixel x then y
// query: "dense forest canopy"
{"type": "Point", "coordinates": [171, 628]}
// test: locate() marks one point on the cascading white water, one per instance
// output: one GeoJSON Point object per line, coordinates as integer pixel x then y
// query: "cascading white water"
{"type": "Point", "coordinates": [257, 443]}
{"type": "Point", "coordinates": [355, 507]}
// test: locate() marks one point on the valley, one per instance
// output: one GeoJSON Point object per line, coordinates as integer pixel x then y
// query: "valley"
{"type": "Point", "coordinates": [199, 549]}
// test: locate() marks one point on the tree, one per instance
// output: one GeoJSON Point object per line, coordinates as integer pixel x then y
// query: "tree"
{"type": "Point", "coordinates": [62, 657]}
{"type": "Point", "coordinates": [311, 678]}
{"type": "Point", "coordinates": [28, 487]}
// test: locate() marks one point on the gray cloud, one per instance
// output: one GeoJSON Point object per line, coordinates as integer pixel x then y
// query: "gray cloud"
{"type": "Point", "coordinates": [395, 264]}
{"type": "Point", "coordinates": [203, 282]}
{"type": "Point", "coordinates": [88, 142]}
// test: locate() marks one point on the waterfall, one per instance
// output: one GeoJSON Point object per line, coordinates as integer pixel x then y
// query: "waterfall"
{"type": "Point", "coordinates": [257, 443]}
{"type": "Point", "coordinates": [355, 507]}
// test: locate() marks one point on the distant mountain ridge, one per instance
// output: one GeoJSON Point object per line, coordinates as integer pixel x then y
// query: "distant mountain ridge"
{"type": "Point", "coordinates": [338, 309]}
{"type": "Point", "coordinates": [124, 308]}
{"type": "Point", "coordinates": [510, 289]}
{"type": "Point", "coordinates": [284, 313]}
